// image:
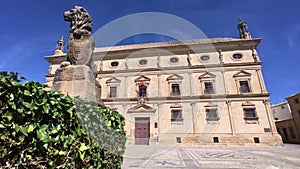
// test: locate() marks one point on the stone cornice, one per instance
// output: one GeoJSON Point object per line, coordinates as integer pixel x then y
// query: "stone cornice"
{"type": "Point", "coordinates": [178, 47]}
{"type": "Point", "coordinates": [213, 97]}
{"type": "Point", "coordinates": [161, 48]}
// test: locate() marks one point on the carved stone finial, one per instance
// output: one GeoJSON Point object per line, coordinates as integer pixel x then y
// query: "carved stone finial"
{"type": "Point", "coordinates": [254, 54]}
{"type": "Point", "coordinates": [220, 56]}
{"type": "Point", "coordinates": [189, 59]}
{"type": "Point", "coordinates": [60, 46]}
{"type": "Point", "coordinates": [243, 29]}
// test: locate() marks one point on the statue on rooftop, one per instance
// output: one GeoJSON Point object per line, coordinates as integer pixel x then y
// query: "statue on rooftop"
{"type": "Point", "coordinates": [81, 43]}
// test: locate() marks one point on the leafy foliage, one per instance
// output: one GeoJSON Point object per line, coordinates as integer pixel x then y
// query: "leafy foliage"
{"type": "Point", "coordinates": [46, 129]}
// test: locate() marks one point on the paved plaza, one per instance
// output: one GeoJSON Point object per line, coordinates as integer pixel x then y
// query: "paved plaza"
{"type": "Point", "coordinates": [287, 157]}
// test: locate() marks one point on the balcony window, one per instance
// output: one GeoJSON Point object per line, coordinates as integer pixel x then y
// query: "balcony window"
{"type": "Point", "coordinates": [142, 91]}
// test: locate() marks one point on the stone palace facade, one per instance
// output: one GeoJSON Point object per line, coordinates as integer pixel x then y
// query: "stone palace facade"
{"type": "Point", "coordinates": [204, 91]}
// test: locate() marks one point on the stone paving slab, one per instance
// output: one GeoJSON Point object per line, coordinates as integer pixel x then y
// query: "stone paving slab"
{"type": "Point", "coordinates": [240, 157]}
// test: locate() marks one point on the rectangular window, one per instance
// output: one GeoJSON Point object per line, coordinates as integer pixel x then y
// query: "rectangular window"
{"type": "Point", "coordinates": [178, 139]}
{"type": "Point", "coordinates": [244, 87]}
{"type": "Point", "coordinates": [256, 140]}
{"type": "Point", "coordinates": [216, 139]}
{"type": "Point", "coordinates": [209, 88]}
{"type": "Point", "coordinates": [112, 91]}
{"type": "Point", "coordinates": [296, 100]}
{"type": "Point", "coordinates": [176, 115]}
{"type": "Point", "coordinates": [292, 132]}
{"type": "Point", "coordinates": [212, 114]}
{"type": "Point", "coordinates": [175, 89]}
{"type": "Point", "coordinates": [250, 113]}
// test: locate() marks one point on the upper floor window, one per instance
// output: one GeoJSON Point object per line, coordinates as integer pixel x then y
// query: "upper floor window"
{"type": "Point", "coordinates": [114, 64]}
{"type": "Point", "coordinates": [207, 81]}
{"type": "Point", "coordinates": [112, 85]}
{"type": "Point", "coordinates": [113, 91]}
{"type": "Point", "coordinates": [296, 100]}
{"type": "Point", "coordinates": [250, 113]}
{"type": "Point", "coordinates": [237, 56]}
{"type": "Point", "coordinates": [212, 114]}
{"type": "Point", "coordinates": [176, 115]}
{"type": "Point", "coordinates": [143, 62]}
{"type": "Point", "coordinates": [244, 86]}
{"type": "Point", "coordinates": [141, 83]}
{"type": "Point", "coordinates": [175, 89]}
{"type": "Point", "coordinates": [204, 58]}
{"type": "Point", "coordinates": [208, 88]}
{"type": "Point", "coordinates": [174, 60]}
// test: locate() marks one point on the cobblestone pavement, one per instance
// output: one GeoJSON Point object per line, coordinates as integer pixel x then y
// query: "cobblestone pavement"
{"type": "Point", "coordinates": [286, 157]}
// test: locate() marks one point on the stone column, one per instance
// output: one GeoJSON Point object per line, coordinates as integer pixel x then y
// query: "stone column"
{"type": "Point", "coordinates": [191, 84]}
{"type": "Point", "coordinates": [193, 116]}
{"type": "Point", "coordinates": [125, 89]}
{"type": "Point", "coordinates": [261, 81]}
{"type": "Point", "coordinates": [158, 120]}
{"type": "Point", "coordinates": [231, 121]}
{"type": "Point", "coordinates": [158, 85]}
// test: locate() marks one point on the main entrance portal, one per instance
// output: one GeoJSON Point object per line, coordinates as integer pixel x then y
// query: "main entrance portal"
{"type": "Point", "coordinates": [142, 130]}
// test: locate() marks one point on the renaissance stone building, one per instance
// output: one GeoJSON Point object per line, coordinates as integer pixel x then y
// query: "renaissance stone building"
{"type": "Point", "coordinates": [204, 91]}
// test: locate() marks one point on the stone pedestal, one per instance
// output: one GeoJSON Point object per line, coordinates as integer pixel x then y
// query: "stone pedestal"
{"type": "Point", "coordinates": [77, 80]}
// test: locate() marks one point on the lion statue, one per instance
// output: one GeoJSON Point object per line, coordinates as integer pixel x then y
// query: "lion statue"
{"type": "Point", "coordinates": [81, 21]}
{"type": "Point", "coordinates": [81, 43]}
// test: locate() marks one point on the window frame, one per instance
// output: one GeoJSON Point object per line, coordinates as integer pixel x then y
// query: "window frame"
{"type": "Point", "coordinates": [248, 86]}
{"type": "Point", "coordinates": [173, 93]}
{"type": "Point", "coordinates": [212, 87]}
{"type": "Point", "coordinates": [176, 119]}
{"type": "Point", "coordinates": [213, 111]}
{"type": "Point", "coordinates": [255, 117]}
{"type": "Point", "coordinates": [110, 91]}
{"type": "Point", "coordinates": [142, 92]}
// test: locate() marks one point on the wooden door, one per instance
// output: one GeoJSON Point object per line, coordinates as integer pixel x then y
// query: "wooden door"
{"type": "Point", "coordinates": [142, 131]}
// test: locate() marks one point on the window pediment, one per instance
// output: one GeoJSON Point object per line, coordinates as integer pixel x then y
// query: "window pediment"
{"type": "Point", "coordinates": [211, 104]}
{"type": "Point", "coordinates": [142, 108]}
{"type": "Point", "coordinates": [175, 77]}
{"type": "Point", "coordinates": [207, 75]}
{"type": "Point", "coordinates": [248, 104]}
{"type": "Point", "coordinates": [113, 80]}
{"type": "Point", "coordinates": [242, 73]}
{"type": "Point", "coordinates": [142, 79]}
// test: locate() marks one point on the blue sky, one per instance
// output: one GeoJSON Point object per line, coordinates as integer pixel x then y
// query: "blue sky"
{"type": "Point", "coordinates": [30, 29]}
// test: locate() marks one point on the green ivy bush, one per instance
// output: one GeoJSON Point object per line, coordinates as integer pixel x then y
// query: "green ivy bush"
{"type": "Point", "coordinates": [45, 129]}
